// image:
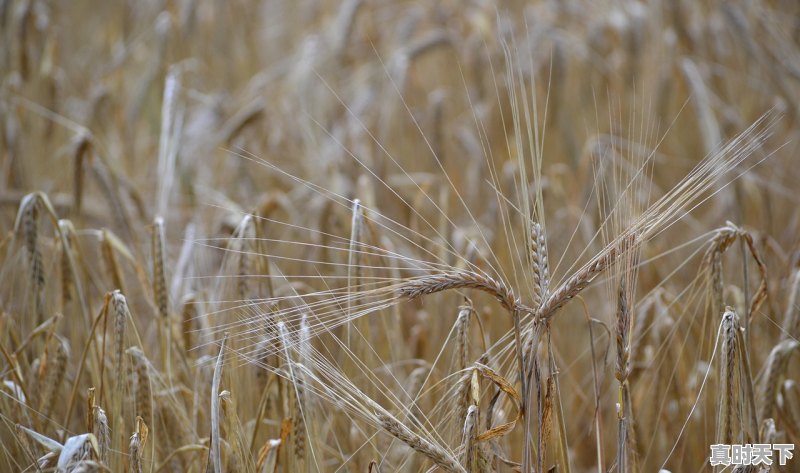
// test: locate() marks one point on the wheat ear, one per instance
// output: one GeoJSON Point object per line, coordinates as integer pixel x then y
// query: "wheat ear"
{"type": "Point", "coordinates": [160, 293]}
{"type": "Point", "coordinates": [777, 364]}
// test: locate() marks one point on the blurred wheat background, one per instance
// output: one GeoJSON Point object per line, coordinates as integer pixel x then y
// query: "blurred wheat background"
{"type": "Point", "coordinates": [373, 235]}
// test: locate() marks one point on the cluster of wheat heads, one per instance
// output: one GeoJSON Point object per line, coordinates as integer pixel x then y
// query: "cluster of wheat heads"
{"type": "Point", "coordinates": [310, 236]}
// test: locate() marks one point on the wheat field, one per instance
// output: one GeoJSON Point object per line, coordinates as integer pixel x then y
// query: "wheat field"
{"type": "Point", "coordinates": [398, 236]}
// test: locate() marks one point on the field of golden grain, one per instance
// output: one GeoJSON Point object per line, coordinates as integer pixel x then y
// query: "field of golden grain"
{"type": "Point", "coordinates": [398, 236]}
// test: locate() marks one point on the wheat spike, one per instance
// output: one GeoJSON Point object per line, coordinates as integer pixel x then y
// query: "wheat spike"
{"type": "Point", "coordinates": [102, 432]}
{"type": "Point", "coordinates": [189, 315]}
{"type": "Point", "coordinates": [462, 356]}
{"type": "Point", "coordinates": [539, 263]}
{"type": "Point", "coordinates": [243, 461]}
{"type": "Point", "coordinates": [215, 452]}
{"type": "Point", "coordinates": [777, 364]}
{"type": "Point", "coordinates": [728, 367]}
{"type": "Point", "coordinates": [136, 446]}
{"type": "Point", "coordinates": [30, 225]}
{"type": "Point", "coordinates": [121, 315]}
{"type": "Point", "coordinates": [462, 280]}
{"type": "Point", "coordinates": [580, 280]}
{"type": "Point", "coordinates": [142, 386]}
{"type": "Point", "coordinates": [434, 453]}
{"type": "Point", "coordinates": [160, 292]}
{"type": "Point", "coordinates": [54, 372]}
{"type": "Point", "coordinates": [791, 320]}
{"type": "Point", "coordinates": [469, 440]}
